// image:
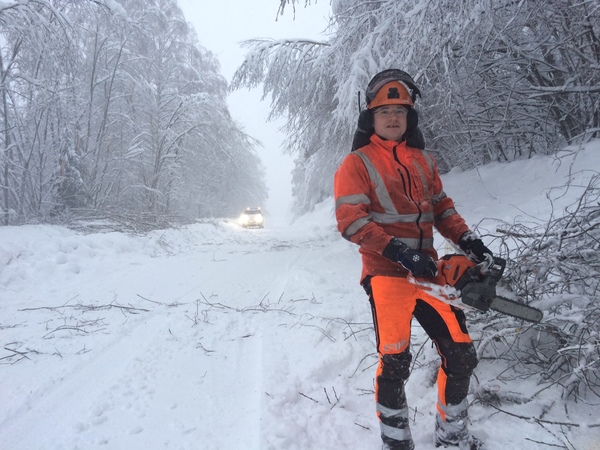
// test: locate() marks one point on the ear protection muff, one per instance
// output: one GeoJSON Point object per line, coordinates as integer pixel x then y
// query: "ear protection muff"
{"type": "Point", "coordinates": [412, 120]}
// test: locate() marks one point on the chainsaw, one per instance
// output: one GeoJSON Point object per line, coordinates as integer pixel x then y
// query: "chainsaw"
{"type": "Point", "coordinates": [462, 283]}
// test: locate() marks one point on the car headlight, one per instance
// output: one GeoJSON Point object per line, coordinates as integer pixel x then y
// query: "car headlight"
{"type": "Point", "coordinates": [243, 219]}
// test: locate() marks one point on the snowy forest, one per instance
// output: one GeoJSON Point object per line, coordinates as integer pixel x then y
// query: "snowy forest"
{"type": "Point", "coordinates": [114, 109]}
{"type": "Point", "coordinates": [501, 80]}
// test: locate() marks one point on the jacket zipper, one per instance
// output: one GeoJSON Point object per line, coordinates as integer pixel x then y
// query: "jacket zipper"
{"type": "Point", "coordinates": [408, 189]}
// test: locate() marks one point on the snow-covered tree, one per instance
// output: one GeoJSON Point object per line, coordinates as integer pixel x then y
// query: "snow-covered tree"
{"type": "Point", "coordinates": [33, 117]}
{"type": "Point", "coordinates": [110, 106]}
{"type": "Point", "coordinates": [500, 80]}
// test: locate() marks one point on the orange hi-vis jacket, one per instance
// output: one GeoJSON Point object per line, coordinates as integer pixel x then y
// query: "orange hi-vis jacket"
{"type": "Point", "coordinates": [386, 189]}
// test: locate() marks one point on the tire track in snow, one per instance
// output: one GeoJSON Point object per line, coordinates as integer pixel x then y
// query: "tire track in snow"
{"type": "Point", "coordinates": [153, 381]}
{"type": "Point", "coordinates": [77, 400]}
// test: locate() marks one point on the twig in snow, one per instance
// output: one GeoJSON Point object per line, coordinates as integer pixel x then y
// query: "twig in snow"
{"type": "Point", "coordinates": [337, 400]}
{"type": "Point", "coordinates": [204, 348]}
{"type": "Point", "coordinates": [148, 300]}
{"type": "Point", "coordinates": [353, 333]}
{"type": "Point", "coordinates": [263, 299]}
{"type": "Point", "coordinates": [544, 443]}
{"type": "Point", "coordinates": [306, 396]}
{"type": "Point", "coordinates": [22, 354]}
{"type": "Point", "coordinates": [360, 362]}
{"type": "Point", "coordinates": [83, 350]}
{"type": "Point", "coordinates": [64, 328]}
{"type": "Point", "coordinates": [327, 335]}
{"type": "Point", "coordinates": [549, 422]}
{"type": "Point", "coordinates": [370, 392]}
{"type": "Point", "coordinates": [170, 305]}
{"type": "Point", "coordinates": [195, 319]}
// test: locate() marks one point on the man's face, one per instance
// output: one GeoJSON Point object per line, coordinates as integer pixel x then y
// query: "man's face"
{"type": "Point", "coordinates": [390, 121]}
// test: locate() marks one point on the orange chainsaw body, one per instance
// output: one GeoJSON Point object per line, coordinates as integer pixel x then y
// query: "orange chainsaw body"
{"type": "Point", "coordinates": [451, 268]}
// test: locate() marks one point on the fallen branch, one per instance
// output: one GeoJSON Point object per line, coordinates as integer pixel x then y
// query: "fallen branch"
{"type": "Point", "coordinates": [542, 421]}
{"type": "Point", "coordinates": [129, 309]}
{"type": "Point", "coordinates": [65, 328]}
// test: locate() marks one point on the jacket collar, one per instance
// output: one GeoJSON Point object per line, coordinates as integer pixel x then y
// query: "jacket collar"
{"type": "Point", "coordinates": [388, 145]}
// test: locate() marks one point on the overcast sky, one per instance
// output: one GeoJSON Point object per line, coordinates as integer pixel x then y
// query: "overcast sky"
{"type": "Point", "coordinates": [221, 25]}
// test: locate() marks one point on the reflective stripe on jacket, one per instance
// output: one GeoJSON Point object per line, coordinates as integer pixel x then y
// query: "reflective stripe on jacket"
{"type": "Point", "coordinates": [386, 189]}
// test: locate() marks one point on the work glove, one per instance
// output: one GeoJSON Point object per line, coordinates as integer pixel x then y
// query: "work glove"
{"type": "Point", "coordinates": [418, 263]}
{"type": "Point", "coordinates": [473, 247]}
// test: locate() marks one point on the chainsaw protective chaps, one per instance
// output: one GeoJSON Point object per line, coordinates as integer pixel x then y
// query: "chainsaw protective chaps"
{"type": "Point", "coordinates": [394, 301]}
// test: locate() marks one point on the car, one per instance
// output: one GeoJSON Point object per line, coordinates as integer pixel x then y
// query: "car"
{"type": "Point", "coordinates": [252, 218]}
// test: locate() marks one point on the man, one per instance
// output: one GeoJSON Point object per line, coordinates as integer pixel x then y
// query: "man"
{"type": "Point", "coordinates": [389, 196]}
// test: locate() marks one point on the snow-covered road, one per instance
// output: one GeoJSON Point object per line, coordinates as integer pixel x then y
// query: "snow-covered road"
{"type": "Point", "coordinates": [214, 337]}
{"type": "Point", "coordinates": [201, 337]}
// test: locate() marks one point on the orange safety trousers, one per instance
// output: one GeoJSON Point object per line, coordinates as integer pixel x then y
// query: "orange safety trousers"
{"type": "Point", "coordinates": [394, 302]}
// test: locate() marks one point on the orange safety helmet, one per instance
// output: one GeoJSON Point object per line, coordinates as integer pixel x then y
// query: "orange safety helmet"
{"type": "Point", "coordinates": [392, 93]}
{"type": "Point", "coordinates": [391, 87]}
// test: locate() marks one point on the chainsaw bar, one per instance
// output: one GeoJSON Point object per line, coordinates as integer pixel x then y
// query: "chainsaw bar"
{"type": "Point", "coordinates": [516, 309]}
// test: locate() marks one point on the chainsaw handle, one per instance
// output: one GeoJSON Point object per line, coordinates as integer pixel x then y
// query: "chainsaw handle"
{"type": "Point", "coordinates": [484, 265]}
{"type": "Point", "coordinates": [493, 266]}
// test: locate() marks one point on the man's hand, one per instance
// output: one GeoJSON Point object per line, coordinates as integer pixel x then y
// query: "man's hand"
{"type": "Point", "coordinates": [473, 246]}
{"type": "Point", "coordinates": [416, 262]}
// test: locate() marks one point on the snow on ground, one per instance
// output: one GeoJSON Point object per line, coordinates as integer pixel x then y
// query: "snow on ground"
{"type": "Point", "coordinates": [215, 337]}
